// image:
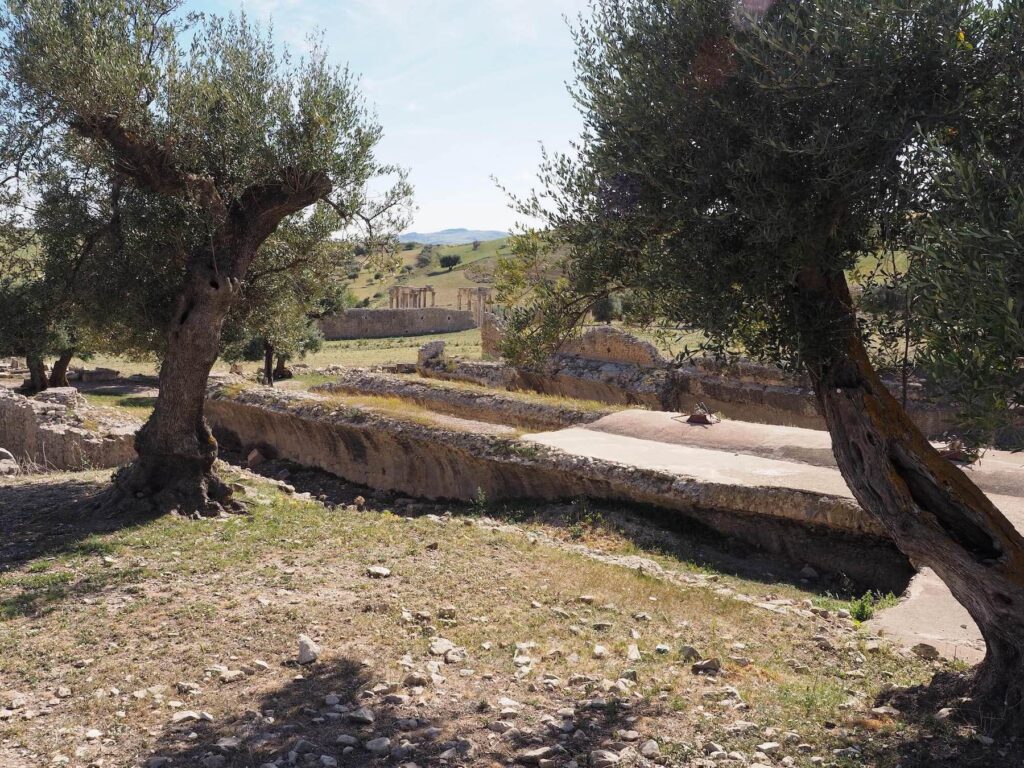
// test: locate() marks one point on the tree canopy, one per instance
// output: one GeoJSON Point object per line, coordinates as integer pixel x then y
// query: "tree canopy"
{"type": "Point", "coordinates": [181, 142]}
{"type": "Point", "coordinates": [738, 161]}
{"type": "Point", "coordinates": [724, 151]}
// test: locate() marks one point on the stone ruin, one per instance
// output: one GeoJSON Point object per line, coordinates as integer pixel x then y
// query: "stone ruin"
{"type": "Point", "coordinates": [58, 430]}
{"type": "Point", "coordinates": [610, 345]}
{"type": "Point", "coordinates": [12, 366]}
{"type": "Point", "coordinates": [407, 297]}
{"type": "Point", "coordinates": [491, 336]}
{"type": "Point", "coordinates": [476, 300]}
{"type": "Point", "coordinates": [612, 366]}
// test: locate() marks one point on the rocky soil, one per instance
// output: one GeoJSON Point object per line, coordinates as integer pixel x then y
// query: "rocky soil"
{"type": "Point", "coordinates": [332, 627]}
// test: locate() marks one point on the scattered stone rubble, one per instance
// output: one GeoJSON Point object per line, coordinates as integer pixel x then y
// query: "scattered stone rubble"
{"type": "Point", "coordinates": [59, 430]}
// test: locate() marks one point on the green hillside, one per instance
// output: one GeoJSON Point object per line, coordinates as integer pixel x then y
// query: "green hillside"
{"type": "Point", "coordinates": [475, 270]}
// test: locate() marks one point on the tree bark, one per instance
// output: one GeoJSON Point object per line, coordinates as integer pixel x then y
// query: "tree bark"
{"type": "Point", "coordinates": [281, 372]}
{"type": "Point", "coordinates": [931, 509]}
{"type": "Point", "coordinates": [59, 374]}
{"type": "Point", "coordinates": [268, 364]}
{"type": "Point", "coordinates": [37, 381]}
{"type": "Point", "coordinates": [176, 449]}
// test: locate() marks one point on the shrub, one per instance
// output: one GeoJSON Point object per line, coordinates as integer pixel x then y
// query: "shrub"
{"type": "Point", "coordinates": [451, 261]}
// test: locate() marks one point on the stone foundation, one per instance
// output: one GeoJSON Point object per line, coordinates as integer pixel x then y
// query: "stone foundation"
{"type": "Point", "coordinates": [478, 404]}
{"type": "Point", "coordinates": [612, 366]}
{"type": "Point", "coordinates": [58, 430]}
{"type": "Point", "coordinates": [830, 533]}
{"type": "Point", "coordinates": [385, 323]}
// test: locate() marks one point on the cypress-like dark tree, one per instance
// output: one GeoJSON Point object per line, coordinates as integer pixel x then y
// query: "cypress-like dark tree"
{"type": "Point", "coordinates": [209, 137]}
{"type": "Point", "coordinates": [737, 161]}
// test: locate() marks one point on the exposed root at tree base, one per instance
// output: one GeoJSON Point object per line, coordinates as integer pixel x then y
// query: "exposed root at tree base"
{"type": "Point", "coordinates": [137, 490]}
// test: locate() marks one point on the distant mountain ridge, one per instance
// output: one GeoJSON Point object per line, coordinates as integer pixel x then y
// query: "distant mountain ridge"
{"type": "Point", "coordinates": [452, 236]}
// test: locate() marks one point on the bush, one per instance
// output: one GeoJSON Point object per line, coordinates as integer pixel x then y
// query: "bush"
{"type": "Point", "coordinates": [606, 309]}
{"type": "Point", "coordinates": [863, 608]}
{"type": "Point", "coordinates": [451, 261]}
{"type": "Point", "coordinates": [425, 257]}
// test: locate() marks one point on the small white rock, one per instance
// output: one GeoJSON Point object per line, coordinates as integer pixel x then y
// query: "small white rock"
{"type": "Point", "coordinates": [309, 651]}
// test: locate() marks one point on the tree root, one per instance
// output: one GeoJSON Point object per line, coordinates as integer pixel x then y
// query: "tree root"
{"type": "Point", "coordinates": [139, 491]}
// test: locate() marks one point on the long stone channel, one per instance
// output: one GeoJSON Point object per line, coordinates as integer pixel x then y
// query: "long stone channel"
{"type": "Point", "coordinates": [433, 461]}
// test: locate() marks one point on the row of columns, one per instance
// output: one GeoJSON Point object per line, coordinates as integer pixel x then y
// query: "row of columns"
{"type": "Point", "coordinates": [476, 300]}
{"type": "Point", "coordinates": [405, 297]}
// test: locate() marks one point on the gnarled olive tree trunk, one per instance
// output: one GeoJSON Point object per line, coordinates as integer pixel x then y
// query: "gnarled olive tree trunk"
{"type": "Point", "coordinates": [932, 510]}
{"type": "Point", "coordinates": [37, 381]}
{"type": "Point", "coordinates": [177, 450]}
{"type": "Point", "coordinates": [59, 374]}
{"type": "Point", "coordinates": [268, 363]}
{"type": "Point", "coordinates": [281, 372]}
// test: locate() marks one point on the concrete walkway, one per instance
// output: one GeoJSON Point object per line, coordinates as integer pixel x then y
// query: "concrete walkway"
{"type": "Point", "coordinates": [762, 455]}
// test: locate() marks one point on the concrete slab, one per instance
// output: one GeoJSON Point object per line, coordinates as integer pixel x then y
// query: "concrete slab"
{"type": "Point", "coordinates": [760, 455]}
{"type": "Point", "coordinates": [998, 472]}
{"type": "Point", "coordinates": [929, 614]}
{"type": "Point", "coordinates": [707, 464]}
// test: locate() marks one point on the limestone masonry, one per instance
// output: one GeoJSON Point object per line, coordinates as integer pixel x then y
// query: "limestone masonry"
{"type": "Point", "coordinates": [436, 462]}
{"type": "Point", "coordinates": [58, 430]}
{"type": "Point", "coordinates": [384, 323]}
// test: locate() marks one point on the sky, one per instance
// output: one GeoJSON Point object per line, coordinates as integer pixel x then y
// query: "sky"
{"type": "Point", "coordinates": [465, 89]}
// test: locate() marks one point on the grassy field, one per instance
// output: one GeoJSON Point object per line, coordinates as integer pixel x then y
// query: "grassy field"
{"type": "Point", "coordinates": [356, 353]}
{"type": "Point", "coordinates": [125, 640]}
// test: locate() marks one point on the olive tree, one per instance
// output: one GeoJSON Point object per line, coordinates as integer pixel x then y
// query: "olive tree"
{"type": "Point", "coordinates": [41, 310]}
{"type": "Point", "coordinates": [968, 271]}
{"type": "Point", "coordinates": [734, 166]}
{"type": "Point", "coordinates": [301, 278]}
{"type": "Point", "coordinates": [210, 138]}
{"type": "Point", "coordinates": [970, 288]}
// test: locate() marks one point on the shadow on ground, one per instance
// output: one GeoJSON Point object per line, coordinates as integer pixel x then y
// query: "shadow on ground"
{"type": "Point", "coordinates": [319, 718]}
{"type": "Point", "coordinates": [39, 520]}
{"type": "Point", "coordinates": [48, 518]}
{"type": "Point", "coordinates": [942, 744]}
{"type": "Point", "coordinates": [649, 529]}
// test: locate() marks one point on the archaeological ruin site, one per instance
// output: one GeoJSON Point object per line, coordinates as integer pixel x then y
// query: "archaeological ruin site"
{"type": "Point", "coordinates": [712, 456]}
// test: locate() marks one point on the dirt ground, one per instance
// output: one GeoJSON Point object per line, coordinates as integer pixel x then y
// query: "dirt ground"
{"type": "Point", "coordinates": [571, 634]}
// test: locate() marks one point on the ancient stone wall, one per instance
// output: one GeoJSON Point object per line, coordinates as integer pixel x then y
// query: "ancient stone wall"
{"type": "Point", "coordinates": [384, 323]}
{"type": "Point", "coordinates": [610, 345]}
{"type": "Point", "coordinates": [491, 332]}
{"type": "Point", "coordinates": [830, 533]}
{"type": "Point", "coordinates": [58, 430]}
{"type": "Point", "coordinates": [612, 366]}
{"type": "Point", "coordinates": [469, 403]}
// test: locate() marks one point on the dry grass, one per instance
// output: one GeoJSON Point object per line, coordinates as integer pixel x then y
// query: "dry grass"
{"type": "Point", "coordinates": [135, 406]}
{"type": "Point", "coordinates": [118, 612]}
{"type": "Point", "coordinates": [524, 396]}
{"type": "Point", "coordinates": [356, 353]}
{"type": "Point", "coordinates": [407, 410]}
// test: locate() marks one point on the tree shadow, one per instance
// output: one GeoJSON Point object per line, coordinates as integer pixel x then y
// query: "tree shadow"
{"type": "Point", "coordinates": [952, 742]}
{"type": "Point", "coordinates": [50, 518]}
{"type": "Point", "coordinates": [650, 529]}
{"type": "Point", "coordinates": [309, 722]}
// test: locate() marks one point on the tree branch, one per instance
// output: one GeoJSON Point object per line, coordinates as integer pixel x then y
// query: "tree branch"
{"type": "Point", "coordinates": [149, 163]}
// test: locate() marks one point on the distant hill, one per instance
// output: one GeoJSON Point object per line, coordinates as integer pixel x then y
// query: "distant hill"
{"type": "Point", "coordinates": [452, 236]}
